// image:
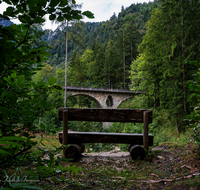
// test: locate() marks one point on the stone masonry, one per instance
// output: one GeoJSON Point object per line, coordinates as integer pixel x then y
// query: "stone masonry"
{"type": "Point", "coordinates": [100, 96]}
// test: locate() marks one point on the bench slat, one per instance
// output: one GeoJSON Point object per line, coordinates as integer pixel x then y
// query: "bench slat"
{"type": "Point", "coordinates": [105, 115]}
{"type": "Point", "coordinates": [100, 137]}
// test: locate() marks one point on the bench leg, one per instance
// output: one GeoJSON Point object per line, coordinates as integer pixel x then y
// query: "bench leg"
{"type": "Point", "coordinates": [146, 130]}
{"type": "Point", "coordinates": [65, 129]}
{"type": "Point", "coordinates": [74, 151]}
{"type": "Point", "coordinates": [136, 152]}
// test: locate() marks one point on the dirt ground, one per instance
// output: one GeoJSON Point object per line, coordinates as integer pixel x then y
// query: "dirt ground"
{"type": "Point", "coordinates": [165, 168]}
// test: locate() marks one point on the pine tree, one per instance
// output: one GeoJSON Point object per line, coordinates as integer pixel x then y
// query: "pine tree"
{"type": "Point", "coordinates": [166, 49]}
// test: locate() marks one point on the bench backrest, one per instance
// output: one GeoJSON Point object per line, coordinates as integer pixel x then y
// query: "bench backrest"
{"type": "Point", "coordinates": [105, 115]}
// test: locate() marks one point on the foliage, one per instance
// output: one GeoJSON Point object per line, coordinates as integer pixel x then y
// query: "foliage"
{"type": "Point", "coordinates": [194, 117]}
{"type": "Point", "coordinates": [103, 44]}
{"type": "Point", "coordinates": [44, 74]}
{"type": "Point", "coordinates": [22, 54]}
{"type": "Point", "coordinates": [162, 70]}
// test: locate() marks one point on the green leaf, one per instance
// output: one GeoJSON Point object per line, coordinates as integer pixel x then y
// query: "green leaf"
{"type": "Point", "coordinates": [14, 75]}
{"type": "Point", "coordinates": [52, 17]}
{"type": "Point", "coordinates": [32, 187]}
{"type": "Point", "coordinates": [54, 179]}
{"type": "Point", "coordinates": [51, 10]}
{"type": "Point", "coordinates": [37, 93]}
{"type": "Point", "coordinates": [26, 18]}
{"type": "Point", "coordinates": [42, 84]}
{"type": "Point", "coordinates": [88, 14]}
{"type": "Point", "coordinates": [17, 54]}
{"type": "Point", "coordinates": [42, 2]}
{"type": "Point", "coordinates": [8, 59]}
{"type": "Point", "coordinates": [15, 2]}
{"type": "Point", "coordinates": [35, 8]}
{"type": "Point", "coordinates": [52, 81]}
{"type": "Point", "coordinates": [60, 18]}
{"type": "Point", "coordinates": [74, 2]}
{"type": "Point", "coordinates": [68, 16]}
{"type": "Point", "coordinates": [11, 143]}
{"type": "Point", "coordinates": [54, 3]}
{"type": "Point", "coordinates": [6, 79]}
{"type": "Point", "coordinates": [62, 178]}
{"type": "Point", "coordinates": [20, 80]}
{"type": "Point", "coordinates": [40, 58]}
{"type": "Point", "coordinates": [46, 54]}
{"type": "Point", "coordinates": [42, 126]}
{"type": "Point", "coordinates": [66, 9]}
{"type": "Point", "coordinates": [4, 152]}
{"type": "Point", "coordinates": [21, 18]}
{"type": "Point", "coordinates": [8, 2]}
{"type": "Point", "coordinates": [78, 17]}
{"type": "Point", "coordinates": [13, 138]}
{"type": "Point", "coordinates": [9, 10]}
{"type": "Point", "coordinates": [39, 20]}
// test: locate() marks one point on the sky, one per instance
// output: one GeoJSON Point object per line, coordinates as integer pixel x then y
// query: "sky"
{"type": "Point", "coordinates": [102, 9]}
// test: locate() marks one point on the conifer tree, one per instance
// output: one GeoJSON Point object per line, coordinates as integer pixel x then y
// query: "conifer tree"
{"type": "Point", "coordinates": [166, 50]}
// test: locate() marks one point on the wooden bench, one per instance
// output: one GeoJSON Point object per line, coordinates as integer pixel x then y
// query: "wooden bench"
{"type": "Point", "coordinates": [77, 139]}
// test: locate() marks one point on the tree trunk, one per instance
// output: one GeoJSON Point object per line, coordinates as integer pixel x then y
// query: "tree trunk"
{"type": "Point", "coordinates": [109, 85]}
{"type": "Point", "coordinates": [192, 23]}
{"type": "Point", "coordinates": [65, 101]}
{"type": "Point", "coordinates": [124, 59]}
{"type": "Point", "coordinates": [154, 100]}
{"type": "Point", "coordinates": [176, 123]}
{"type": "Point", "coordinates": [131, 49]}
{"type": "Point", "coordinates": [176, 116]}
{"type": "Point", "coordinates": [184, 92]}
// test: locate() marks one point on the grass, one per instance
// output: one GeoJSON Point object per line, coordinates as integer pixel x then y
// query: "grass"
{"type": "Point", "coordinates": [50, 142]}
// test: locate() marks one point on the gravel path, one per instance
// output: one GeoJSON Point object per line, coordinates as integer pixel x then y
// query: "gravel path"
{"type": "Point", "coordinates": [106, 155]}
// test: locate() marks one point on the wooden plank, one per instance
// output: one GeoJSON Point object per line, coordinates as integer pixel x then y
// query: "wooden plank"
{"type": "Point", "coordinates": [65, 127]}
{"type": "Point", "coordinates": [100, 137]}
{"type": "Point", "coordinates": [145, 130]}
{"type": "Point", "coordinates": [105, 115]}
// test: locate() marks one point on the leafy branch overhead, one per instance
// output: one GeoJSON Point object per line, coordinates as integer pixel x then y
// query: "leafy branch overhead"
{"type": "Point", "coordinates": [33, 12]}
{"type": "Point", "coordinates": [22, 54]}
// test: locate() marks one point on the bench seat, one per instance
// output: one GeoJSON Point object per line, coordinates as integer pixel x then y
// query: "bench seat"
{"type": "Point", "coordinates": [101, 137]}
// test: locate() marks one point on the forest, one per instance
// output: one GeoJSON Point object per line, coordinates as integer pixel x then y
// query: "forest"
{"type": "Point", "coordinates": [151, 47]}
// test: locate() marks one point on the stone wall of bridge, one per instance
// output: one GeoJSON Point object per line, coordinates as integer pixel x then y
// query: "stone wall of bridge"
{"type": "Point", "coordinates": [101, 97]}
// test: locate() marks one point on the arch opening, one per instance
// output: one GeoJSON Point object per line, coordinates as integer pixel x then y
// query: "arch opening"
{"type": "Point", "coordinates": [125, 103]}
{"type": "Point", "coordinates": [109, 101]}
{"type": "Point", "coordinates": [90, 97]}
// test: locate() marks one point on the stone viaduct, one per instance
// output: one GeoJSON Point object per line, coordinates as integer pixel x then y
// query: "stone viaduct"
{"type": "Point", "coordinates": [105, 98]}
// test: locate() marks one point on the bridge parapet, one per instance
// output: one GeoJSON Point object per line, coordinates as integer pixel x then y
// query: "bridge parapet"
{"type": "Point", "coordinates": [95, 85]}
{"type": "Point", "coordinates": [103, 90]}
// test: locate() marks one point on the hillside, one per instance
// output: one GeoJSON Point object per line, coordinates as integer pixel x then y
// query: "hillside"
{"type": "Point", "coordinates": [101, 52]}
{"type": "Point", "coordinates": [102, 32]}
